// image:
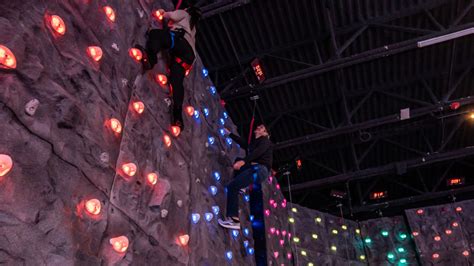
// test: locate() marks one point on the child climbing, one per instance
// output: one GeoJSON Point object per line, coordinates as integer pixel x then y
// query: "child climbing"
{"type": "Point", "coordinates": [179, 39]}
{"type": "Point", "coordinates": [255, 167]}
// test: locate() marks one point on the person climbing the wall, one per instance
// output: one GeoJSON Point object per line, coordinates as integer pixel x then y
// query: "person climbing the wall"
{"type": "Point", "coordinates": [255, 167]}
{"type": "Point", "coordinates": [179, 39]}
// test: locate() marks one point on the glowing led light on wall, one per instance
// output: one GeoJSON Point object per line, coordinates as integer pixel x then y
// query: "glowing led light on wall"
{"type": "Point", "coordinates": [138, 55]}
{"type": "Point", "coordinates": [415, 233]}
{"type": "Point", "coordinates": [437, 238]}
{"type": "Point", "coordinates": [152, 178]}
{"type": "Point", "coordinates": [222, 132]}
{"type": "Point", "coordinates": [228, 255]}
{"type": "Point", "coordinates": [390, 256]}
{"type": "Point", "coordinates": [217, 176]}
{"type": "Point", "coordinates": [213, 190]}
{"type": "Point", "coordinates": [294, 210]}
{"type": "Point", "coordinates": [282, 242]}
{"type": "Point", "coordinates": [419, 211]}
{"type": "Point", "coordinates": [235, 233]}
{"type": "Point", "coordinates": [448, 231]}
{"type": "Point", "coordinates": [435, 256]}
{"type": "Point", "coordinates": [120, 244]}
{"type": "Point", "coordinates": [246, 231]}
{"type": "Point", "coordinates": [205, 73]}
{"type": "Point", "coordinates": [139, 107]}
{"type": "Point", "coordinates": [175, 130]}
{"type": "Point", "coordinates": [318, 220]}
{"type": "Point", "coordinates": [385, 233]}
{"type": "Point", "coordinates": [267, 212]}
{"type": "Point", "coordinates": [225, 115]}
{"type": "Point", "coordinates": [215, 210]}
{"type": "Point", "coordinates": [315, 236]}
{"type": "Point", "coordinates": [206, 112]}
{"type": "Point", "coordinates": [222, 121]}
{"type": "Point", "coordinates": [228, 141]}
{"type": "Point", "coordinates": [272, 230]}
{"type": "Point", "coordinates": [158, 14]}
{"type": "Point", "coordinates": [344, 227]}
{"type": "Point", "coordinates": [403, 235]}
{"type": "Point", "coordinates": [401, 250]}
{"type": "Point", "coordinates": [334, 232]}
{"type": "Point", "coordinates": [95, 52]}
{"type": "Point", "coordinates": [115, 125]}
{"type": "Point", "coordinates": [196, 114]}
{"type": "Point", "coordinates": [7, 58]}
{"type": "Point", "coordinates": [6, 164]}
{"type": "Point", "coordinates": [161, 79]}
{"type": "Point", "coordinates": [403, 261]}
{"type": "Point", "coordinates": [212, 90]}
{"type": "Point", "coordinates": [250, 251]}
{"type": "Point", "coordinates": [129, 169]}
{"type": "Point", "coordinates": [93, 206]}
{"type": "Point", "coordinates": [288, 255]}
{"type": "Point", "coordinates": [211, 140]}
{"type": "Point", "coordinates": [167, 140]}
{"type": "Point", "coordinates": [208, 216]}
{"type": "Point", "coordinates": [190, 110]}
{"type": "Point", "coordinates": [291, 220]}
{"type": "Point", "coordinates": [368, 240]}
{"type": "Point", "coordinates": [247, 198]}
{"type": "Point", "coordinates": [183, 240]}
{"type": "Point", "coordinates": [110, 13]}
{"type": "Point", "coordinates": [455, 224]}
{"type": "Point", "coordinates": [195, 217]}
{"type": "Point", "coordinates": [57, 24]}
{"type": "Point", "coordinates": [303, 253]}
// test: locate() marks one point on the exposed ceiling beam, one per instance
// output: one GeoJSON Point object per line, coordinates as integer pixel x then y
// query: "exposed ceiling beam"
{"type": "Point", "coordinates": [221, 6]}
{"type": "Point", "coordinates": [419, 112]}
{"type": "Point", "coordinates": [385, 169]}
{"type": "Point", "coordinates": [339, 63]}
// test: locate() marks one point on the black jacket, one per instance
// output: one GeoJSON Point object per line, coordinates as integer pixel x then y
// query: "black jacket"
{"type": "Point", "coordinates": [259, 151]}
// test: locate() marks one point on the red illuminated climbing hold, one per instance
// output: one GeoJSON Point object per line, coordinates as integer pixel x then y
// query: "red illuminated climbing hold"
{"type": "Point", "coordinates": [93, 206]}
{"type": "Point", "coordinates": [110, 13]}
{"type": "Point", "coordinates": [175, 130]}
{"type": "Point", "coordinates": [120, 244]}
{"type": "Point", "coordinates": [129, 169]}
{"type": "Point", "coordinates": [6, 164]}
{"type": "Point", "coordinates": [95, 52]}
{"type": "Point", "coordinates": [57, 24]}
{"type": "Point", "coordinates": [7, 58]}
{"type": "Point", "coordinates": [161, 79]}
{"type": "Point", "coordinates": [115, 125]}
{"type": "Point", "coordinates": [152, 178]}
{"type": "Point", "coordinates": [139, 107]}
{"type": "Point", "coordinates": [135, 54]}
{"type": "Point", "coordinates": [167, 140]}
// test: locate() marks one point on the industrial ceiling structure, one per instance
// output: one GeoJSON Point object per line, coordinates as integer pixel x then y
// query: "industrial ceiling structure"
{"type": "Point", "coordinates": [373, 97]}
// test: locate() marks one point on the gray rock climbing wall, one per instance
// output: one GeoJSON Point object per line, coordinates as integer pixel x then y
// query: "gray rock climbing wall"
{"type": "Point", "coordinates": [56, 109]}
{"type": "Point", "coordinates": [388, 241]}
{"type": "Point", "coordinates": [444, 234]}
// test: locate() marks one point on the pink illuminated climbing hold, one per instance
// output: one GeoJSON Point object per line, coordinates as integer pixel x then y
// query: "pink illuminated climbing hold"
{"type": "Point", "coordinates": [184, 239]}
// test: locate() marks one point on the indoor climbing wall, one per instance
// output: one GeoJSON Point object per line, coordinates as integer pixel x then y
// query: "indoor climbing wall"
{"type": "Point", "coordinates": [388, 241]}
{"type": "Point", "coordinates": [444, 234]}
{"type": "Point", "coordinates": [277, 227]}
{"type": "Point", "coordinates": [90, 171]}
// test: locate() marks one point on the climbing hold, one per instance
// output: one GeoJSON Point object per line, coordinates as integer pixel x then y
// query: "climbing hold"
{"type": "Point", "coordinates": [184, 239]}
{"type": "Point", "coordinates": [164, 213]}
{"type": "Point", "coordinates": [139, 107]}
{"type": "Point", "coordinates": [179, 203]}
{"type": "Point", "coordinates": [115, 125]}
{"type": "Point", "coordinates": [129, 169]}
{"type": "Point", "coordinates": [152, 178]}
{"type": "Point", "coordinates": [93, 206]}
{"type": "Point", "coordinates": [110, 13]}
{"type": "Point", "coordinates": [6, 164]}
{"type": "Point", "coordinates": [95, 52]}
{"type": "Point", "coordinates": [7, 58]}
{"type": "Point", "coordinates": [31, 106]}
{"type": "Point", "coordinates": [57, 24]}
{"type": "Point", "coordinates": [167, 140]}
{"type": "Point", "coordinates": [136, 54]}
{"type": "Point", "coordinates": [120, 244]}
{"type": "Point", "coordinates": [161, 79]}
{"type": "Point", "coordinates": [175, 131]}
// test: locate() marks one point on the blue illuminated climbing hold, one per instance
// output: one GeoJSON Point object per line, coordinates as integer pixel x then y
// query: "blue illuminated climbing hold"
{"type": "Point", "coordinates": [246, 243]}
{"type": "Point", "coordinates": [247, 198]}
{"type": "Point", "coordinates": [196, 114]}
{"type": "Point", "coordinates": [251, 218]}
{"type": "Point", "coordinates": [222, 121]}
{"type": "Point", "coordinates": [217, 176]}
{"type": "Point", "coordinates": [212, 90]}
{"type": "Point", "coordinates": [246, 232]}
{"type": "Point", "coordinates": [228, 255]}
{"type": "Point", "coordinates": [215, 210]}
{"type": "Point", "coordinates": [250, 251]}
{"type": "Point", "coordinates": [206, 112]}
{"type": "Point", "coordinates": [229, 141]}
{"type": "Point", "coordinates": [211, 140]}
{"type": "Point", "coordinates": [195, 217]}
{"type": "Point", "coordinates": [235, 233]}
{"type": "Point", "coordinates": [208, 216]}
{"type": "Point", "coordinates": [205, 73]}
{"type": "Point", "coordinates": [225, 115]}
{"type": "Point", "coordinates": [213, 190]}
{"type": "Point", "coordinates": [222, 132]}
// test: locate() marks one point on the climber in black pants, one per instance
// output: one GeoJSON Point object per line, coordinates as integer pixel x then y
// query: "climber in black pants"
{"type": "Point", "coordinates": [255, 167]}
{"type": "Point", "coordinates": [179, 38]}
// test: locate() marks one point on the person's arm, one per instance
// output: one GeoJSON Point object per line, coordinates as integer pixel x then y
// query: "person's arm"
{"type": "Point", "coordinates": [176, 15]}
{"type": "Point", "coordinates": [262, 147]}
{"type": "Point", "coordinates": [243, 144]}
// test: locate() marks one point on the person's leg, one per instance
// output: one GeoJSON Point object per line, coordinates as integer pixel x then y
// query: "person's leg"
{"type": "Point", "coordinates": [177, 73]}
{"type": "Point", "coordinates": [244, 179]}
{"type": "Point", "coordinates": [158, 40]}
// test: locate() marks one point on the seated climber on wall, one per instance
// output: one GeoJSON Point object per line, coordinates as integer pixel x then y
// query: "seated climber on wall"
{"type": "Point", "coordinates": [179, 39]}
{"type": "Point", "coordinates": [255, 167]}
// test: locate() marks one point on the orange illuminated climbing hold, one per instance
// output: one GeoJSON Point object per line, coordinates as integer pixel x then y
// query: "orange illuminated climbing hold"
{"type": "Point", "coordinates": [7, 58]}
{"type": "Point", "coordinates": [93, 206]}
{"type": "Point", "coordinates": [139, 107]}
{"type": "Point", "coordinates": [152, 178]}
{"type": "Point", "coordinates": [175, 130]}
{"type": "Point", "coordinates": [129, 169]}
{"type": "Point", "coordinates": [167, 140]}
{"type": "Point", "coordinates": [158, 14]}
{"type": "Point", "coordinates": [120, 244]}
{"type": "Point", "coordinates": [95, 52]}
{"type": "Point", "coordinates": [161, 79]}
{"type": "Point", "coordinates": [184, 239]}
{"type": "Point", "coordinates": [135, 53]}
{"type": "Point", "coordinates": [110, 13]}
{"type": "Point", "coordinates": [6, 164]}
{"type": "Point", "coordinates": [57, 24]}
{"type": "Point", "coordinates": [190, 110]}
{"type": "Point", "coordinates": [115, 125]}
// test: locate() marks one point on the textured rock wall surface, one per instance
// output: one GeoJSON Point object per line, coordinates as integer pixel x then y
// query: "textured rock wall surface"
{"type": "Point", "coordinates": [65, 153]}
{"type": "Point", "coordinates": [444, 234]}
{"type": "Point", "coordinates": [388, 241]}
